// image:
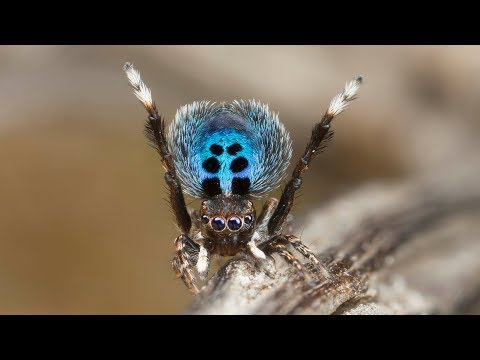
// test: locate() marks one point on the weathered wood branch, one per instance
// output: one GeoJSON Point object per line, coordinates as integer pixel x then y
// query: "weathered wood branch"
{"type": "Point", "coordinates": [410, 247]}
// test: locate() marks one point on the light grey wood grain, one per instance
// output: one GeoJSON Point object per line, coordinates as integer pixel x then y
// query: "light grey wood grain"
{"type": "Point", "coordinates": [410, 247]}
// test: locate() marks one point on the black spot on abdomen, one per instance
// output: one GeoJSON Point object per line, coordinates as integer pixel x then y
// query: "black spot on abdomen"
{"type": "Point", "coordinates": [211, 186]}
{"type": "Point", "coordinates": [211, 165]}
{"type": "Point", "coordinates": [216, 149]}
{"type": "Point", "coordinates": [240, 186]}
{"type": "Point", "coordinates": [239, 164]}
{"type": "Point", "coordinates": [234, 149]}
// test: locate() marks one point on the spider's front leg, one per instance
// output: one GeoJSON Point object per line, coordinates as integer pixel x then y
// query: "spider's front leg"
{"type": "Point", "coordinates": [186, 256]}
{"type": "Point", "coordinates": [190, 254]}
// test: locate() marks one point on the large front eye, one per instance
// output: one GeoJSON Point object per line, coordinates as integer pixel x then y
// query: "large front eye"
{"type": "Point", "coordinates": [218, 223]}
{"type": "Point", "coordinates": [234, 223]}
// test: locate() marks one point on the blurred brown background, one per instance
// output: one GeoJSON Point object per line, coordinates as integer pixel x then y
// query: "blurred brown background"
{"type": "Point", "coordinates": [84, 227]}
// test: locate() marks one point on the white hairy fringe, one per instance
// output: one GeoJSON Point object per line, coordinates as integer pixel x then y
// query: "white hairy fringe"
{"type": "Point", "coordinates": [141, 91]}
{"type": "Point", "coordinates": [340, 101]}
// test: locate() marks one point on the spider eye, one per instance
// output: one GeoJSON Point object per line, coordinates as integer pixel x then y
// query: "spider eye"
{"type": "Point", "coordinates": [218, 223]}
{"type": "Point", "coordinates": [205, 219]}
{"type": "Point", "coordinates": [247, 219]}
{"type": "Point", "coordinates": [234, 223]}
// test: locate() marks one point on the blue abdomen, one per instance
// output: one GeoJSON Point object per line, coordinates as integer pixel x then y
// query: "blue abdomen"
{"type": "Point", "coordinates": [239, 148]}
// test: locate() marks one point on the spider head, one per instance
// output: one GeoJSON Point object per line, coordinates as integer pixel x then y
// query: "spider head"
{"type": "Point", "coordinates": [227, 216]}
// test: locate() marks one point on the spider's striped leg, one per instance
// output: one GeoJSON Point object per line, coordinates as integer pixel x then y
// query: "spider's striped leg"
{"type": "Point", "coordinates": [186, 257]}
{"type": "Point", "coordinates": [279, 246]}
{"type": "Point", "coordinates": [155, 133]}
{"type": "Point", "coordinates": [320, 134]}
{"type": "Point", "coordinates": [306, 252]}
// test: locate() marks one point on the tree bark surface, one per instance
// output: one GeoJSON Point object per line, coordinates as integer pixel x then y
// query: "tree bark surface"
{"type": "Point", "coordinates": [410, 247]}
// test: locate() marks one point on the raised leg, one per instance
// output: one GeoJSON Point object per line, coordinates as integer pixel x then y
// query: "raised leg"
{"type": "Point", "coordinates": [155, 132]}
{"type": "Point", "coordinates": [320, 134]}
{"type": "Point", "coordinates": [186, 257]}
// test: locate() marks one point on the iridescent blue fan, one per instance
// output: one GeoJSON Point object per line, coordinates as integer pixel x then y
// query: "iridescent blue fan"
{"type": "Point", "coordinates": [238, 148]}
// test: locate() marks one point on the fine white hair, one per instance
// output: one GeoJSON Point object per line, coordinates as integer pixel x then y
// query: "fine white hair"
{"type": "Point", "coordinates": [340, 101]}
{"type": "Point", "coordinates": [141, 91]}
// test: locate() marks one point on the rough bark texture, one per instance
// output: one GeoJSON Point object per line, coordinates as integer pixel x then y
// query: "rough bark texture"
{"type": "Point", "coordinates": [403, 248]}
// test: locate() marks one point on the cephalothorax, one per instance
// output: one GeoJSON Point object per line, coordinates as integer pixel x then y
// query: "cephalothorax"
{"type": "Point", "coordinates": [229, 154]}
